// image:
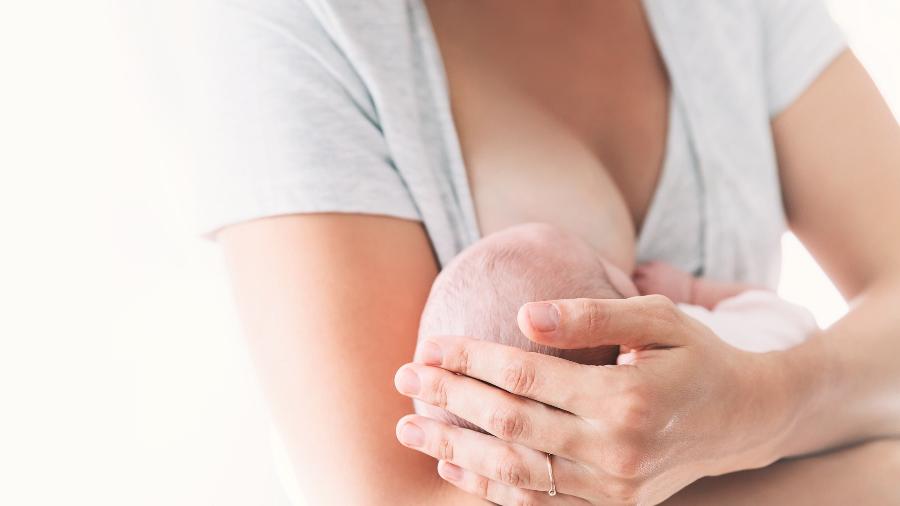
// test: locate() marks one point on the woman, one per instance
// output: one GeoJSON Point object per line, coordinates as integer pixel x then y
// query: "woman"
{"type": "Point", "coordinates": [360, 145]}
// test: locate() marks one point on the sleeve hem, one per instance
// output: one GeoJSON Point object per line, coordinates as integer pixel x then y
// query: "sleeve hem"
{"type": "Point", "coordinates": [240, 205]}
{"type": "Point", "coordinates": [803, 40]}
{"type": "Point", "coordinates": [782, 100]}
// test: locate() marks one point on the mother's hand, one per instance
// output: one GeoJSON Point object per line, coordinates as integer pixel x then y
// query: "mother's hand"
{"type": "Point", "coordinates": [680, 405]}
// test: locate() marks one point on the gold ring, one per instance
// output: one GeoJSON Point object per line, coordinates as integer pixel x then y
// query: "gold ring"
{"type": "Point", "coordinates": [552, 491]}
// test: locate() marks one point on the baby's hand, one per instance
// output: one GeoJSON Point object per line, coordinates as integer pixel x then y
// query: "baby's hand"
{"type": "Point", "coordinates": [663, 279]}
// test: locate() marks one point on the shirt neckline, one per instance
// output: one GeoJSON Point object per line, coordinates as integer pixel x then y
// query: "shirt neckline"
{"type": "Point", "coordinates": [666, 173]}
{"type": "Point", "coordinates": [458, 172]}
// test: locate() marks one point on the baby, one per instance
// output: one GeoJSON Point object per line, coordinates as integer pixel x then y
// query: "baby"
{"type": "Point", "coordinates": [480, 292]}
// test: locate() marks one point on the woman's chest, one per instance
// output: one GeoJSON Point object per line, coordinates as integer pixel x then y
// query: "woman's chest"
{"type": "Point", "coordinates": [561, 112]}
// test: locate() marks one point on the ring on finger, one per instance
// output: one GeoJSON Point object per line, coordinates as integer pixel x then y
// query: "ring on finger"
{"type": "Point", "coordinates": [552, 491]}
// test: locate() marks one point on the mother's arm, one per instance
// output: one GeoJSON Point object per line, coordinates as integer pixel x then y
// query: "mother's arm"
{"type": "Point", "coordinates": [330, 304]}
{"type": "Point", "coordinates": [862, 474]}
{"type": "Point", "coordinates": [839, 152]}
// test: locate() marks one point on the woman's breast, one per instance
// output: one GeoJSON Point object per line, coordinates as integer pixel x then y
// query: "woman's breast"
{"type": "Point", "coordinates": [561, 113]}
{"type": "Point", "coordinates": [525, 165]}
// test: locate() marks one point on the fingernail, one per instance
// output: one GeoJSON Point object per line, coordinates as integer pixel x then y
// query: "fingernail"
{"type": "Point", "coordinates": [450, 471]}
{"type": "Point", "coordinates": [432, 354]}
{"type": "Point", "coordinates": [408, 382]}
{"type": "Point", "coordinates": [412, 435]}
{"type": "Point", "coordinates": [544, 317]}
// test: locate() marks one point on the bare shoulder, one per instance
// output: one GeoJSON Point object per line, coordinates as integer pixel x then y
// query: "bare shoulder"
{"type": "Point", "coordinates": [330, 304]}
{"type": "Point", "coordinates": [338, 253]}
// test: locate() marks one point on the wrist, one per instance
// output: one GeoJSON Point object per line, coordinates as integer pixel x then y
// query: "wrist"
{"type": "Point", "coordinates": [774, 395]}
{"type": "Point", "coordinates": [799, 378]}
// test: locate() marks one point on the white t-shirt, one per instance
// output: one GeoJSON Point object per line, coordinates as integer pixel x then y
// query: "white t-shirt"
{"type": "Point", "coordinates": [342, 106]}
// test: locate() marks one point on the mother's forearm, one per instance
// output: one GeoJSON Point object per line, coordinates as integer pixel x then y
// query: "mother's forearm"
{"type": "Point", "coordinates": [846, 381]}
{"type": "Point", "coordinates": [862, 474]}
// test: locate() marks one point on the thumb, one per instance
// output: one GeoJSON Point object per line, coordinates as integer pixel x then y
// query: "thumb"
{"type": "Point", "coordinates": [636, 323]}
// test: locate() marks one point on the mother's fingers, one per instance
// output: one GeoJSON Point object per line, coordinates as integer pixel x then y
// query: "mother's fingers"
{"type": "Point", "coordinates": [507, 416]}
{"type": "Point", "coordinates": [638, 322]}
{"type": "Point", "coordinates": [550, 380]}
{"type": "Point", "coordinates": [487, 456]}
{"type": "Point", "coordinates": [500, 493]}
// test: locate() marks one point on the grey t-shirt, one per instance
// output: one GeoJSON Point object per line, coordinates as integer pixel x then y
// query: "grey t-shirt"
{"type": "Point", "coordinates": [342, 106]}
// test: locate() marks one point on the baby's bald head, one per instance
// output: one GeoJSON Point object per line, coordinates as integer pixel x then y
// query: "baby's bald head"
{"type": "Point", "coordinates": [480, 292]}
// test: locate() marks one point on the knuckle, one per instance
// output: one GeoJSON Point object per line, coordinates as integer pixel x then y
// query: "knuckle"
{"type": "Point", "coordinates": [570, 444]}
{"type": "Point", "coordinates": [437, 393]}
{"type": "Point", "coordinates": [597, 317]}
{"type": "Point", "coordinates": [634, 411]}
{"type": "Point", "coordinates": [444, 449]}
{"type": "Point", "coordinates": [482, 487]}
{"type": "Point", "coordinates": [464, 361]}
{"type": "Point", "coordinates": [625, 463]}
{"type": "Point", "coordinates": [512, 471]}
{"type": "Point", "coordinates": [507, 423]}
{"type": "Point", "coordinates": [585, 441]}
{"type": "Point", "coordinates": [519, 377]}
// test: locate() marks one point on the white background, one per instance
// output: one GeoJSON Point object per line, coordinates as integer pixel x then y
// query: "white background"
{"type": "Point", "coordinates": [123, 379]}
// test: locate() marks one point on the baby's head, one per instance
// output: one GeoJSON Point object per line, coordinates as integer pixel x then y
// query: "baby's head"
{"type": "Point", "coordinates": [480, 292]}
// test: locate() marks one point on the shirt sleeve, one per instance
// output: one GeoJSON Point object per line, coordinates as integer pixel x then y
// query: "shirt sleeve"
{"type": "Point", "coordinates": [285, 123]}
{"type": "Point", "coordinates": [801, 40]}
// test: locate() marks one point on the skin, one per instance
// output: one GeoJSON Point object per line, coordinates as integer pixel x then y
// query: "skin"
{"type": "Point", "coordinates": [552, 129]}
{"type": "Point", "coordinates": [323, 370]}
{"type": "Point", "coordinates": [862, 474]}
{"type": "Point", "coordinates": [330, 305]}
{"type": "Point", "coordinates": [638, 445]}
{"type": "Point", "coordinates": [680, 287]}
